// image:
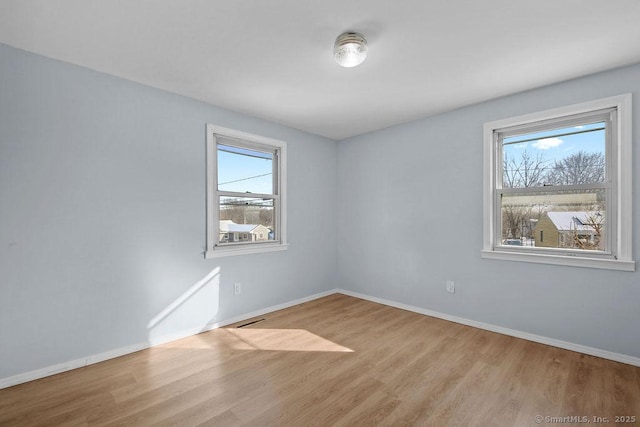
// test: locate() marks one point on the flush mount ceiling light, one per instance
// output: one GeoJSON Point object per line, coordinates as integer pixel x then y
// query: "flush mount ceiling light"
{"type": "Point", "coordinates": [350, 49]}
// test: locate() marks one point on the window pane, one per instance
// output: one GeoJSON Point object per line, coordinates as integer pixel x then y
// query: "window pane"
{"type": "Point", "coordinates": [565, 156]}
{"type": "Point", "coordinates": [245, 219]}
{"type": "Point", "coordinates": [244, 171]}
{"type": "Point", "coordinates": [566, 219]}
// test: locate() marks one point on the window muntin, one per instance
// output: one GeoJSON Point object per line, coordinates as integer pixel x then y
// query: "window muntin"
{"type": "Point", "coordinates": [245, 193]}
{"type": "Point", "coordinates": [594, 205]}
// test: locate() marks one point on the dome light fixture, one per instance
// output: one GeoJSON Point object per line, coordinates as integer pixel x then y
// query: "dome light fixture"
{"type": "Point", "coordinates": [350, 49]}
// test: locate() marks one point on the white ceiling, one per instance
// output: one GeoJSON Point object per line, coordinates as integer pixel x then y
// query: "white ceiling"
{"type": "Point", "coordinates": [273, 59]}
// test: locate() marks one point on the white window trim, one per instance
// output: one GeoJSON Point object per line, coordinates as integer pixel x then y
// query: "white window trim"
{"type": "Point", "coordinates": [623, 192]}
{"type": "Point", "coordinates": [212, 249]}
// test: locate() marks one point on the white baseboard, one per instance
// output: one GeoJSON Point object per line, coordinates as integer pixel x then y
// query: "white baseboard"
{"type": "Point", "coordinates": [111, 354]}
{"type": "Point", "coordinates": [96, 358]}
{"type": "Point", "coordinates": [623, 358]}
{"type": "Point", "coordinates": [67, 366]}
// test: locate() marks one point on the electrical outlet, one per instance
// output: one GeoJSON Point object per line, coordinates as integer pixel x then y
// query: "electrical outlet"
{"type": "Point", "coordinates": [237, 288]}
{"type": "Point", "coordinates": [451, 286]}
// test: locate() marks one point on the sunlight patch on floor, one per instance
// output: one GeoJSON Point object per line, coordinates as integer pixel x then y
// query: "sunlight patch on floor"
{"type": "Point", "coordinates": [281, 340]}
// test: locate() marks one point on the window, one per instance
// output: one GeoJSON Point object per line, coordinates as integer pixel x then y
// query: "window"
{"type": "Point", "coordinates": [246, 193]}
{"type": "Point", "coordinates": [559, 183]}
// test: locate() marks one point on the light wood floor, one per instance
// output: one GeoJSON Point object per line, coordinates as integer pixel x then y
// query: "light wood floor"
{"type": "Point", "coordinates": [334, 361]}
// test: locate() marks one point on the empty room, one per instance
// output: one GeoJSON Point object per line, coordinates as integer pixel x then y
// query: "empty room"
{"type": "Point", "coordinates": [292, 213]}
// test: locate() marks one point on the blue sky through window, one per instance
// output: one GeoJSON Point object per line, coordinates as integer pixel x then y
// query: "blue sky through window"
{"type": "Point", "coordinates": [558, 144]}
{"type": "Point", "coordinates": [244, 171]}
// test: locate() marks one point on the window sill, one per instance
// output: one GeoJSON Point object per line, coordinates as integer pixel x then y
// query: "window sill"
{"type": "Point", "coordinates": [245, 250]}
{"type": "Point", "coordinates": [572, 261]}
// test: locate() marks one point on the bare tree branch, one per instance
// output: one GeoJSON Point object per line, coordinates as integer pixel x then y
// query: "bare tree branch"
{"type": "Point", "coordinates": [579, 168]}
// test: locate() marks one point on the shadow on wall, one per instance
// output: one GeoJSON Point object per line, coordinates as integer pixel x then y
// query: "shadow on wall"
{"type": "Point", "coordinates": [184, 311]}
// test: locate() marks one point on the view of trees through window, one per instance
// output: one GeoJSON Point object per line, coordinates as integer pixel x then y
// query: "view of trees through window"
{"type": "Point", "coordinates": [246, 210]}
{"type": "Point", "coordinates": [554, 191]}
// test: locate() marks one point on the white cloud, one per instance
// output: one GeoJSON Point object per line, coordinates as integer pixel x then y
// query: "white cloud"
{"type": "Point", "coordinates": [545, 144]}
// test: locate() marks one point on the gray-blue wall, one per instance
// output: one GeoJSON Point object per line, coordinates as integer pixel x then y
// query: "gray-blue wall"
{"type": "Point", "coordinates": [102, 222]}
{"type": "Point", "coordinates": [102, 216]}
{"type": "Point", "coordinates": [410, 217]}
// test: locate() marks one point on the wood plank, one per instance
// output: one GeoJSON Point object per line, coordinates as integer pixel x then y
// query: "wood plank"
{"type": "Point", "coordinates": [337, 360]}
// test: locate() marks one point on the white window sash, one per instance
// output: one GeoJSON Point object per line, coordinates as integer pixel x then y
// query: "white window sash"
{"type": "Point", "coordinates": [616, 111]}
{"type": "Point", "coordinates": [222, 136]}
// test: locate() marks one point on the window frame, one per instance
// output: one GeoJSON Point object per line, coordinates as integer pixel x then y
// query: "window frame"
{"type": "Point", "coordinates": [219, 135]}
{"type": "Point", "coordinates": [618, 183]}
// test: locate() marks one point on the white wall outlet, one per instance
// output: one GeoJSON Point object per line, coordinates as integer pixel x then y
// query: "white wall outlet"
{"type": "Point", "coordinates": [237, 288]}
{"type": "Point", "coordinates": [451, 286]}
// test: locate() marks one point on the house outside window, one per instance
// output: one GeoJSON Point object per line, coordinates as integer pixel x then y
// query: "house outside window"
{"type": "Point", "coordinates": [559, 182]}
{"type": "Point", "coordinates": [246, 193]}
